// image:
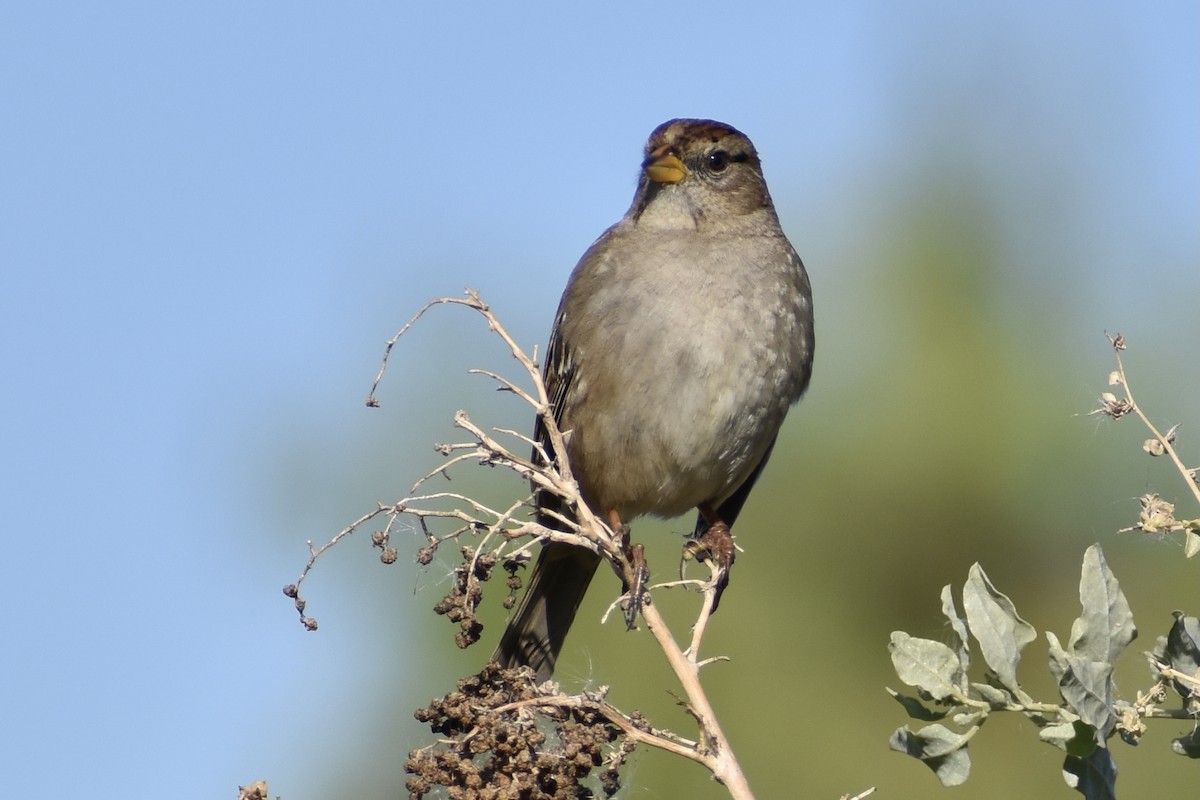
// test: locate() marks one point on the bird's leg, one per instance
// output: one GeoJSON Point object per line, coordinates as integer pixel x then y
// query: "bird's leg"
{"type": "Point", "coordinates": [619, 528]}
{"type": "Point", "coordinates": [634, 574]}
{"type": "Point", "coordinates": [715, 544]}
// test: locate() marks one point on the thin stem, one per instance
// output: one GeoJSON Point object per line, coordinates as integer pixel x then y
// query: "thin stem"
{"type": "Point", "coordinates": [1163, 440]}
{"type": "Point", "coordinates": [725, 766]}
{"type": "Point", "coordinates": [663, 741]}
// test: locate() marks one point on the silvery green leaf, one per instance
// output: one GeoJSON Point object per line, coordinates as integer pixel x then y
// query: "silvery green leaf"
{"type": "Point", "coordinates": [1182, 651]}
{"type": "Point", "coordinates": [1057, 735]}
{"type": "Point", "coordinates": [959, 627]}
{"type": "Point", "coordinates": [939, 748]}
{"type": "Point", "coordinates": [1105, 627]}
{"type": "Point", "coordinates": [994, 622]}
{"type": "Point", "coordinates": [1086, 686]}
{"type": "Point", "coordinates": [970, 719]}
{"type": "Point", "coordinates": [991, 694]}
{"type": "Point", "coordinates": [1094, 777]}
{"type": "Point", "coordinates": [1076, 738]}
{"type": "Point", "coordinates": [1191, 539]}
{"type": "Point", "coordinates": [926, 664]}
{"type": "Point", "coordinates": [1058, 657]}
{"type": "Point", "coordinates": [1187, 745]}
{"type": "Point", "coordinates": [916, 709]}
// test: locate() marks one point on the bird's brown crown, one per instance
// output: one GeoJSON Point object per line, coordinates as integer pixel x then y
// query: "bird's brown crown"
{"type": "Point", "coordinates": [690, 137]}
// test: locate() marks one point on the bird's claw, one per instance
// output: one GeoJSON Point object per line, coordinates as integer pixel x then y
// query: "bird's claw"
{"type": "Point", "coordinates": [714, 547]}
{"type": "Point", "coordinates": [635, 584]}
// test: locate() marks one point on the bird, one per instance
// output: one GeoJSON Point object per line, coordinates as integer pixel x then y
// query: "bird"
{"type": "Point", "coordinates": [682, 339]}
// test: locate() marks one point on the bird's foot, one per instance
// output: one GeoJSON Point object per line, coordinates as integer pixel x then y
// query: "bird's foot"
{"type": "Point", "coordinates": [714, 547]}
{"type": "Point", "coordinates": [635, 583]}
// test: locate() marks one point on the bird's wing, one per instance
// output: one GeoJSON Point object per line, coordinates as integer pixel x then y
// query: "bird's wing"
{"type": "Point", "coordinates": [557, 375]}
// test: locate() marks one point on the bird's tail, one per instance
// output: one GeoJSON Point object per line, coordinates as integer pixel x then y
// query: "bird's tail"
{"type": "Point", "coordinates": [535, 633]}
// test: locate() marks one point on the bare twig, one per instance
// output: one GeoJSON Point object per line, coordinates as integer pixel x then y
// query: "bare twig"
{"type": "Point", "coordinates": [724, 765]}
{"type": "Point", "coordinates": [860, 795]}
{"type": "Point", "coordinates": [1157, 515]}
{"type": "Point", "coordinates": [1192, 682]}
{"type": "Point", "coordinates": [293, 590]}
{"type": "Point", "coordinates": [663, 740]}
{"type": "Point", "coordinates": [505, 538]}
{"type": "Point", "coordinates": [1166, 441]}
{"type": "Point", "coordinates": [471, 301]}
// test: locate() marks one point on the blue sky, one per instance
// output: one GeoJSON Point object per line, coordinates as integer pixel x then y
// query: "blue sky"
{"type": "Point", "coordinates": [213, 215]}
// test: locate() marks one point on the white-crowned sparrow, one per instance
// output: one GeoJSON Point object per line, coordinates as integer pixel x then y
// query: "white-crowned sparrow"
{"type": "Point", "coordinates": [683, 337]}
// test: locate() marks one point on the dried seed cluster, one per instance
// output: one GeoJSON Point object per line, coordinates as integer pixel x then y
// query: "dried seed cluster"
{"type": "Point", "coordinates": [467, 590]}
{"type": "Point", "coordinates": [501, 745]}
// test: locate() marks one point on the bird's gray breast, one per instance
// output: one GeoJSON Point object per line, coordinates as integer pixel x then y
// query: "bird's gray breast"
{"type": "Point", "coordinates": [687, 355]}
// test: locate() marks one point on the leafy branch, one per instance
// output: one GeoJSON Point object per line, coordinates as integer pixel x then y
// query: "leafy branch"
{"type": "Point", "coordinates": [1087, 714]}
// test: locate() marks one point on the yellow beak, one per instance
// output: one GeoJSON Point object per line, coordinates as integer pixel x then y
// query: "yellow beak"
{"type": "Point", "coordinates": [665, 168]}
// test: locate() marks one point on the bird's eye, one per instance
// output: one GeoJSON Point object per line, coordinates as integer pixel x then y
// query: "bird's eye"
{"type": "Point", "coordinates": [717, 161]}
